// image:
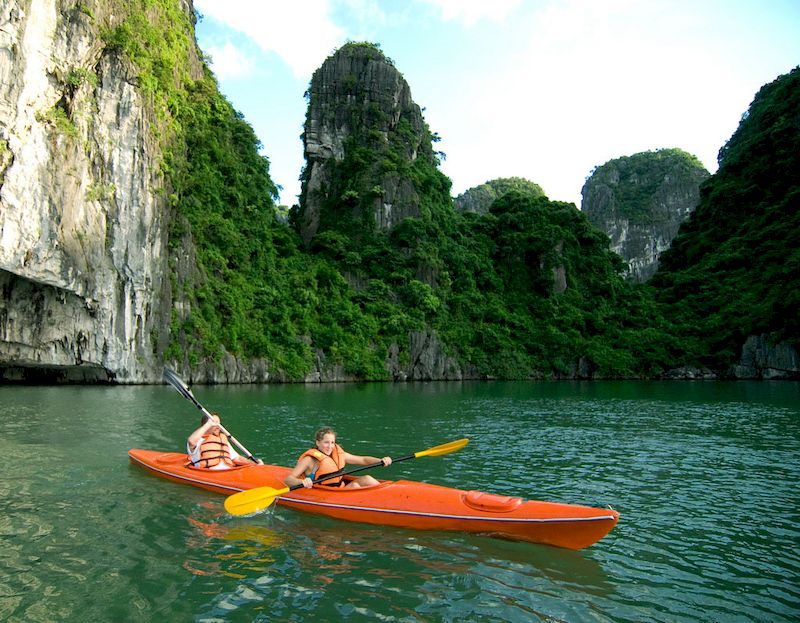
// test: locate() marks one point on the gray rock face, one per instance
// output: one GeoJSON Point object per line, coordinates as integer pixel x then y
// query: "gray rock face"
{"type": "Point", "coordinates": [82, 241]}
{"type": "Point", "coordinates": [358, 99]}
{"type": "Point", "coordinates": [640, 202]}
{"type": "Point", "coordinates": [763, 359]}
{"type": "Point", "coordinates": [480, 198]}
{"type": "Point", "coordinates": [428, 361]}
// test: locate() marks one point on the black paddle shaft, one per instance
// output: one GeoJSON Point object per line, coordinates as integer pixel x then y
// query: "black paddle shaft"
{"type": "Point", "coordinates": [341, 472]}
{"type": "Point", "coordinates": [183, 389]}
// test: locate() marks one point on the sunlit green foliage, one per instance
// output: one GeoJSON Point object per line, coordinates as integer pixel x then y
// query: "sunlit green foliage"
{"type": "Point", "coordinates": [488, 285]}
{"type": "Point", "coordinates": [733, 269]}
{"type": "Point", "coordinates": [638, 177]}
{"type": "Point", "coordinates": [480, 198]}
{"type": "Point", "coordinates": [529, 289]}
{"type": "Point", "coordinates": [534, 282]}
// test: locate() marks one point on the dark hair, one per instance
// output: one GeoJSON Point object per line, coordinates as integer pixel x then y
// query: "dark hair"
{"type": "Point", "coordinates": [324, 431]}
{"type": "Point", "coordinates": [204, 417]}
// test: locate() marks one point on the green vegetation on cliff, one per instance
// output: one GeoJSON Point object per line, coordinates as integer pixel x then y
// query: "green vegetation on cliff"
{"type": "Point", "coordinates": [637, 178]}
{"type": "Point", "coordinates": [528, 289]}
{"type": "Point", "coordinates": [535, 290]}
{"type": "Point", "coordinates": [480, 198]}
{"type": "Point", "coordinates": [240, 296]}
{"type": "Point", "coordinates": [733, 269]}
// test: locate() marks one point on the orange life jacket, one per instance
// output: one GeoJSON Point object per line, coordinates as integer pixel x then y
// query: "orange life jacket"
{"type": "Point", "coordinates": [213, 451]}
{"type": "Point", "coordinates": [327, 464]}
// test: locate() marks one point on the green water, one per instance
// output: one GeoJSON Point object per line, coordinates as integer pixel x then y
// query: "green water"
{"type": "Point", "coordinates": [705, 475]}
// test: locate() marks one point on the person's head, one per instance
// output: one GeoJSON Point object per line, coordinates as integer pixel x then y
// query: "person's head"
{"type": "Point", "coordinates": [325, 439]}
{"type": "Point", "coordinates": [215, 418]}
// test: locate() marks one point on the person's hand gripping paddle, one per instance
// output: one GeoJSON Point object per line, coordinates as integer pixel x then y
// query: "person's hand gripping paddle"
{"type": "Point", "coordinates": [254, 500]}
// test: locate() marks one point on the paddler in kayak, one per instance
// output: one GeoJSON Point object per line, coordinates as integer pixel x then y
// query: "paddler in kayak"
{"type": "Point", "coordinates": [210, 448]}
{"type": "Point", "coordinates": [328, 457]}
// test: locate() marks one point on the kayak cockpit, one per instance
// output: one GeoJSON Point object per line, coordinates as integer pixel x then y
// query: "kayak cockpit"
{"type": "Point", "coordinates": [489, 502]}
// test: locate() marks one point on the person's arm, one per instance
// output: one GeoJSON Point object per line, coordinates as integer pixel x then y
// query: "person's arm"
{"type": "Point", "coordinates": [238, 459]}
{"type": "Point", "coordinates": [198, 434]}
{"type": "Point", "coordinates": [298, 474]}
{"type": "Point", "coordinates": [354, 459]}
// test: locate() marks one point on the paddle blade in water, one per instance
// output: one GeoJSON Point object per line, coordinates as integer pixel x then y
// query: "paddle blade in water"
{"type": "Point", "coordinates": [252, 500]}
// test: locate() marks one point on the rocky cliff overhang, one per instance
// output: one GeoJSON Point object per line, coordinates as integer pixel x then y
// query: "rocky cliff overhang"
{"type": "Point", "coordinates": [82, 244]}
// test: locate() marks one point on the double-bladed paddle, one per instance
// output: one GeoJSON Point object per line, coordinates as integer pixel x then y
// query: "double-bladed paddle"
{"type": "Point", "coordinates": [253, 500]}
{"type": "Point", "coordinates": [183, 389]}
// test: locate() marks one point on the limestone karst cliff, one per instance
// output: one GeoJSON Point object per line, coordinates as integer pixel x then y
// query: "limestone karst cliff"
{"type": "Point", "coordinates": [82, 232]}
{"type": "Point", "coordinates": [730, 275]}
{"type": "Point", "coordinates": [365, 145]}
{"type": "Point", "coordinates": [138, 229]}
{"type": "Point", "coordinates": [480, 198]}
{"type": "Point", "coordinates": [640, 201]}
{"type": "Point", "coordinates": [115, 209]}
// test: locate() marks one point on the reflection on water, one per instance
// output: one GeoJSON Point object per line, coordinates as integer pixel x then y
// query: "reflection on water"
{"type": "Point", "coordinates": [240, 548]}
{"type": "Point", "coordinates": [299, 563]}
{"type": "Point", "coordinates": [705, 477]}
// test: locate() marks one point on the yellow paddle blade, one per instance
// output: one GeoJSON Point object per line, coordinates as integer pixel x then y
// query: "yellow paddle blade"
{"type": "Point", "coordinates": [445, 448]}
{"type": "Point", "coordinates": [252, 500]}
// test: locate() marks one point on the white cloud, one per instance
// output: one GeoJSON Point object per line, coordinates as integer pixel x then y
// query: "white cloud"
{"type": "Point", "coordinates": [585, 87]}
{"type": "Point", "coordinates": [367, 17]}
{"type": "Point", "coordinates": [545, 90]}
{"type": "Point", "coordinates": [472, 11]}
{"type": "Point", "coordinates": [230, 62]}
{"type": "Point", "coordinates": [301, 33]}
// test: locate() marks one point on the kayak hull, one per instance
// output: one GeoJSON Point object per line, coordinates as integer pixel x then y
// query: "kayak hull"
{"type": "Point", "coordinates": [403, 503]}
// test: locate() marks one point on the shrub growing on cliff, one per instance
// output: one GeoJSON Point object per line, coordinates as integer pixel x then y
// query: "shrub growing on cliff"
{"type": "Point", "coordinates": [534, 281]}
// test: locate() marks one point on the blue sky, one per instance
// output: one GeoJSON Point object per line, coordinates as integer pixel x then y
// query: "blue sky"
{"type": "Point", "coordinates": [541, 89]}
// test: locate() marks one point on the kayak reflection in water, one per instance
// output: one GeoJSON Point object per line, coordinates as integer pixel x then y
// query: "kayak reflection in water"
{"type": "Point", "coordinates": [329, 457]}
{"type": "Point", "coordinates": [210, 448]}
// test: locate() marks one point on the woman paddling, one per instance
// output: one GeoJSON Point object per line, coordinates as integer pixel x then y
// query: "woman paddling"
{"type": "Point", "coordinates": [210, 448]}
{"type": "Point", "coordinates": [329, 457]}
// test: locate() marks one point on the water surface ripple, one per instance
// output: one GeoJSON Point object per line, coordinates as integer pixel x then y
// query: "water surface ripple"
{"type": "Point", "coordinates": [705, 476]}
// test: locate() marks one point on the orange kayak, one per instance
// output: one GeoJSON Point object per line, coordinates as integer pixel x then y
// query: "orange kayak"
{"type": "Point", "coordinates": [403, 503]}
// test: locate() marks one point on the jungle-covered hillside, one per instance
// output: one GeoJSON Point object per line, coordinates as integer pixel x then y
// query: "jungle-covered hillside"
{"type": "Point", "coordinates": [527, 290]}
{"type": "Point", "coordinates": [733, 269]}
